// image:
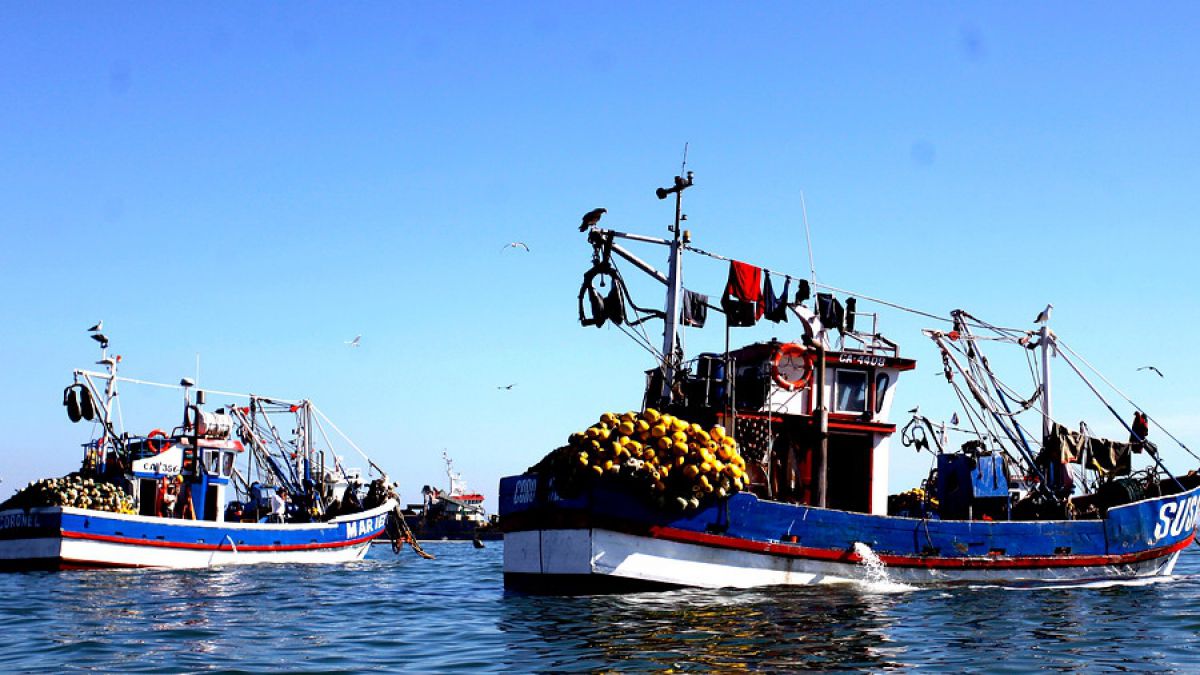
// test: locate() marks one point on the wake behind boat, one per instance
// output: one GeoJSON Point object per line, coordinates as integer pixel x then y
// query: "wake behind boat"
{"type": "Point", "coordinates": [226, 487]}
{"type": "Point", "coordinates": [769, 463]}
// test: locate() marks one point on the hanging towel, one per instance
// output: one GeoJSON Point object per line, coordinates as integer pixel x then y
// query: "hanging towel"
{"type": "Point", "coordinates": [803, 291]}
{"type": "Point", "coordinates": [775, 306]}
{"type": "Point", "coordinates": [742, 300]}
{"type": "Point", "coordinates": [695, 309]}
{"type": "Point", "coordinates": [831, 312]}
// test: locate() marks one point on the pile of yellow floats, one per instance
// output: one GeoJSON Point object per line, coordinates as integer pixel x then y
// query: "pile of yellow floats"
{"type": "Point", "coordinates": [674, 462]}
{"type": "Point", "coordinates": [72, 490]}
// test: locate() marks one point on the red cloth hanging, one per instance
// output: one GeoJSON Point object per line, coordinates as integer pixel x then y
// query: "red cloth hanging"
{"type": "Point", "coordinates": [744, 286]}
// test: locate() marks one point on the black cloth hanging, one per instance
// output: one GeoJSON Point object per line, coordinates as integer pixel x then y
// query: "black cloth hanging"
{"type": "Point", "coordinates": [851, 308]}
{"type": "Point", "coordinates": [695, 309]}
{"type": "Point", "coordinates": [775, 306]}
{"type": "Point", "coordinates": [803, 291]}
{"type": "Point", "coordinates": [831, 312]}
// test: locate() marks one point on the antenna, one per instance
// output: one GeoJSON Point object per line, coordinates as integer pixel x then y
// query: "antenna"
{"type": "Point", "coordinates": [683, 165]}
{"type": "Point", "coordinates": [812, 269]}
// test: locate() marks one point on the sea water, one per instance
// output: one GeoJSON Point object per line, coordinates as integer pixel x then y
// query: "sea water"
{"type": "Point", "coordinates": [406, 614]}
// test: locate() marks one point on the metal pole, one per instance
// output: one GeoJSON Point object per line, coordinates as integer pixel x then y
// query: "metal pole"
{"type": "Point", "coordinates": [674, 286]}
{"type": "Point", "coordinates": [821, 467]}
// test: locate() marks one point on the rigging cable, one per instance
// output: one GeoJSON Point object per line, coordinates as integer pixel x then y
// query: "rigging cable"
{"type": "Point", "coordinates": [1062, 344]}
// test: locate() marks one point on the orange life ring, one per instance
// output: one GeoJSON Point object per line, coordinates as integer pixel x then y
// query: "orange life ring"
{"type": "Point", "coordinates": [792, 351]}
{"type": "Point", "coordinates": [161, 446]}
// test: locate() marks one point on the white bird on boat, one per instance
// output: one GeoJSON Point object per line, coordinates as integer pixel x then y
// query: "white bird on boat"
{"type": "Point", "coordinates": [354, 342]}
{"type": "Point", "coordinates": [515, 244]}
{"type": "Point", "coordinates": [98, 327]}
{"type": "Point", "coordinates": [1045, 315]}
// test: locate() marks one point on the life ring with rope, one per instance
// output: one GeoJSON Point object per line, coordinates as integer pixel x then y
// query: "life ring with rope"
{"type": "Point", "coordinates": [783, 366]}
{"type": "Point", "coordinates": [159, 433]}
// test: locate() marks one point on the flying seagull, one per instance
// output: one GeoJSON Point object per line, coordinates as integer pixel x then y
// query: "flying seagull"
{"type": "Point", "coordinates": [354, 342]}
{"type": "Point", "coordinates": [507, 387]}
{"type": "Point", "coordinates": [1156, 370]}
{"type": "Point", "coordinates": [515, 244]}
{"type": "Point", "coordinates": [1045, 315]}
{"type": "Point", "coordinates": [591, 218]}
{"type": "Point", "coordinates": [98, 327]}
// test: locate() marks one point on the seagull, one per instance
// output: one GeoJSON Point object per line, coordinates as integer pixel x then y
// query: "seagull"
{"type": "Point", "coordinates": [915, 410]}
{"type": "Point", "coordinates": [507, 387]}
{"type": "Point", "coordinates": [515, 244]}
{"type": "Point", "coordinates": [354, 342]}
{"type": "Point", "coordinates": [1156, 370]}
{"type": "Point", "coordinates": [1045, 315]}
{"type": "Point", "coordinates": [591, 218]}
{"type": "Point", "coordinates": [98, 327]}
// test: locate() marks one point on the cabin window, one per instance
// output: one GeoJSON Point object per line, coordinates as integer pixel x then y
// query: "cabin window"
{"type": "Point", "coordinates": [227, 469]}
{"type": "Point", "coordinates": [882, 382]}
{"type": "Point", "coordinates": [851, 395]}
{"type": "Point", "coordinates": [214, 462]}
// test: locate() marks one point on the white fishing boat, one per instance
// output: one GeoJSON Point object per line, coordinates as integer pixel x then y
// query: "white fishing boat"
{"type": "Point", "coordinates": [769, 463]}
{"type": "Point", "coordinates": [223, 487]}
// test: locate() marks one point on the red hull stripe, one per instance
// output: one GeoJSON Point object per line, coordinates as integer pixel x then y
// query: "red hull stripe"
{"type": "Point", "coordinates": [216, 547]}
{"type": "Point", "coordinates": [989, 562]}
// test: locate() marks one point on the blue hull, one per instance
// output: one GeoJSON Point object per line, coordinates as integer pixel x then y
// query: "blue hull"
{"type": "Point", "coordinates": [801, 544]}
{"type": "Point", "coordinates": [59, 538]}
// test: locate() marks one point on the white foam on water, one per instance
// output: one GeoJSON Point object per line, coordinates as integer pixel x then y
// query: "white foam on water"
{"type": "Point", "coordinates": [1098, 584]}
{"type": "Point", "coordinates": [875, 577]}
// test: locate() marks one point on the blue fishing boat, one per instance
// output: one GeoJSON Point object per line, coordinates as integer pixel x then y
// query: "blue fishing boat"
{"type": "Point", "coordinates": [768, 464]}
{"type": "Point", "coordinates": [223, 487]}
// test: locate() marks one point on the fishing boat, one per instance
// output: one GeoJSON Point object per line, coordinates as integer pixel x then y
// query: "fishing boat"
{"type": "Point", "coordinates": [223, 487]}
{"type": "Point", "coordinates": [768, 464]}
{"type": "Point", "coordinates": [453, 514]}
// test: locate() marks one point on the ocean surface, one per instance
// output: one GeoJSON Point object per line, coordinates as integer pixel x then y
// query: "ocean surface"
{"type": "Point", "coordinates": [405, 614]}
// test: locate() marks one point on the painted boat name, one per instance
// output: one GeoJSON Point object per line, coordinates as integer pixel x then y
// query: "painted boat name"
{"type": "Point", "coordinates": [1177, 517]}
{"type": "Point", "coordinates": [16, 520]}
{"type": "Point", "coordinates": [364, 527]}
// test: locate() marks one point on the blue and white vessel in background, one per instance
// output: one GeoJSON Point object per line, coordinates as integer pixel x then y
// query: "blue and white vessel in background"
{"type": "Point", "coordinates": [1014, 493]}
{"type": "Point", "coordinates": [254, 481]}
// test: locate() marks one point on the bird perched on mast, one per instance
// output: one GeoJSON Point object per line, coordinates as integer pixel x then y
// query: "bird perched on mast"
{"type": "Point", "coordinates": [98, 327]}
{"type": "Point", "coordinates": [1045, 315]}
{"type": "Point", "coordinates": [591, 218]}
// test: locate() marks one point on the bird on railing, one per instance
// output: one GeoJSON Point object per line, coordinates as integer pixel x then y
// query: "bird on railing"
{"type": "Point", "coordinates": [591, 218]}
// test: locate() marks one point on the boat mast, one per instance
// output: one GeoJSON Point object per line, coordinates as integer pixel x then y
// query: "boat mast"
{"type": "Point", "coordinates": [674, 284]}
{"type": "Point", "coordinates": [1047, 351]}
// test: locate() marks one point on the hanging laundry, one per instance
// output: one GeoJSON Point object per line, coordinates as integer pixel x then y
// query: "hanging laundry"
{"type": "Point", "coordinates": [830, 310]}
{"type": "Point", "coordinates": [851, 309]}
{"type": "Point", "coordinates": [1110, 457]}
{"type": "Point", "coordinates": [695, 309]}
{"type": "Point", "coordinates": [803, 292]}
{"type": "Point", "coordinates": [775, 306]}
{"type": "Point", "coordinates": [1062, 446]}
{"type": "Point", "coordinates": [742, 300]}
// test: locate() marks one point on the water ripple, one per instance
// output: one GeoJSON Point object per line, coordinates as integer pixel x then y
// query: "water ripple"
{"type": "Point", "coordinates": [451, 615]}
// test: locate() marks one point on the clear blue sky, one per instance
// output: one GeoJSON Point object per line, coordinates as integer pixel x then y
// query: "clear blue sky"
{"type": "Point", "coordinates": [259, 182]}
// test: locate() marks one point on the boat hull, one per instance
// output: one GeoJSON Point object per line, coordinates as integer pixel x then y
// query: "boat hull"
{"type": "Point", "coordinates": [70, 538]}
{"type": "Point", "coordinates": [602, 541]}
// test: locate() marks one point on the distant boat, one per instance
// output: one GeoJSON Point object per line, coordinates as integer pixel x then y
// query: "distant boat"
{"type": "Point", "coordinates": [768, 464]}
{"type": "Point", "coordinates": [162, 499]}
{"type": "Point", "coordinates": [456, 514]}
